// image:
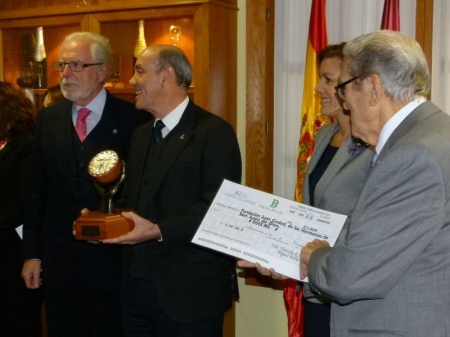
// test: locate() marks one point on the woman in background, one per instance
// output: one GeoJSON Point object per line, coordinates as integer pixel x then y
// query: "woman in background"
{"type": "Point", "coordinates": [336, 173]}
{"type": "Point", "coordinates": [20, 308]}
{"type": "Point", "coordinates": [53, 95]}
{"type": "Point", "coordinates": [335, 176]}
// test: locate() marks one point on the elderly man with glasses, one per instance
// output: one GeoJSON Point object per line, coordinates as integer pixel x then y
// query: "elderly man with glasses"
{"type": "Point", "coordinates": [389, 274]}
{"type": "Point", "coordinates": [81, 280]}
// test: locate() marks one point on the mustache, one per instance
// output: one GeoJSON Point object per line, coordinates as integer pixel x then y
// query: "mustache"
{"type": "Point", "coordinates": [68, 81]}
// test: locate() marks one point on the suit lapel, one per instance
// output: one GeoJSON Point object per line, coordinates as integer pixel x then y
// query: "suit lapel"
{"type": "Point", "coordinates": [142, 155]}
{"type": "Point", "coordinates": [423, 111]}
{"type": "Point", "coordinates": [339, 160]}
{"type": "Point", "coordinates": [64, 132]}
{"type": "Point", "coordinates": [319, 148]}
{"type": "Point", "coordinates": [161, 158]}
{"type": "Point", "coordinates": [100, 136]}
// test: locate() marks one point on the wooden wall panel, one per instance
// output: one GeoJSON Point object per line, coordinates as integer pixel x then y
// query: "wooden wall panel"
{"type": "Point", "coordinates": [260, 74]}
{"type": "Point", "coordinates": [259, 110]}
{"type": "Point", "coordinates": [424, 27]}
{"type": "Point", "coordinates": [28, 8]}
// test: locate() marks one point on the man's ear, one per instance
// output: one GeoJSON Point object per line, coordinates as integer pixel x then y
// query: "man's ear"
{"type": "Point", "coordinates": [103, 72]}
{"type": "Point", "coordinates": [374, 89]}
{"type": "Point", "coordinates": [168, 76]}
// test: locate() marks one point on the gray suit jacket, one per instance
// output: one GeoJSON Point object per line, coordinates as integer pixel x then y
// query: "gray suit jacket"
{"type": "Point", "coordinates": [340, 185]}
{"type": "Point", "coordinates": [391, 273]}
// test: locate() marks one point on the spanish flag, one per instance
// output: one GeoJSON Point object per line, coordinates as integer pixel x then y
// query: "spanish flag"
{"type": "Point", "coordinates": [391, 15]}
{"type": "Point", "coordinates": [312, 120]}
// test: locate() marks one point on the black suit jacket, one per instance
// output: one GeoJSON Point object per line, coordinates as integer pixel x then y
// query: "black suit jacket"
{"type": "Point", "coordinates": [14, 169]}
{"type": "Point", "coordinates": [61, 187]}
{"type": "Point", "coordinates": [173, 185]}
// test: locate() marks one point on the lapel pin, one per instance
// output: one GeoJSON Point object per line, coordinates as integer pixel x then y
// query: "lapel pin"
{"type": "Point", "coordinates": [115, 131]}
{"type": "Point", "coordinates": [182, 136]}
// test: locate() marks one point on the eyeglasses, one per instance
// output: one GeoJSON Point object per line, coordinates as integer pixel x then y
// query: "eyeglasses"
{"type": "Point", "coordinates": [73, 66]}
{"type": "Point", "coordinates": [340, 89]}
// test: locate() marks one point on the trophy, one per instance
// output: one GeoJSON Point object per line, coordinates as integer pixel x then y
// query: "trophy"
{"type": "Point", "coordinates": [108, 174]}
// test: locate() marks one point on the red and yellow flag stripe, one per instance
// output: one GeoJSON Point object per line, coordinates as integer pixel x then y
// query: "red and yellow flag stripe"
{"type": "Point", "coordinates": [312, 120]}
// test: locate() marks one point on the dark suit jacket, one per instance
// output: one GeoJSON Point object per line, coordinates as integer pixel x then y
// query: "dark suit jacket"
{"type": "Point", "coordinates": [173, 185]}
{"type": "Point", "coordinates": [14, 169]}
{"type": "Point", "coordinates": [62, 187]}
{"type": "Point", "coordinates": [17, 303]}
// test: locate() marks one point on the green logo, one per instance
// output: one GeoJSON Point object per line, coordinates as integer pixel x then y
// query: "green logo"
{"type": "Point", "coordinates": [274, 203]}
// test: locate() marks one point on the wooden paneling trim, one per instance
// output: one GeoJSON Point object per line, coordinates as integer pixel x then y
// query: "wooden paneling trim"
{"type": "Point", "coordinates": [24, 9]}
{"type": "Point", "coordinates": [2, 74]}
{"type": "Point", "coordinates": [259, 109]}
{"type": "Point", "coordinates": [147, 13]}
{"type": "Point", "coordinates": [35, 22]}
{"type": "Point", "coordinates": [424, 27]}
{"type": "Point", "coordinates": [222, 62]}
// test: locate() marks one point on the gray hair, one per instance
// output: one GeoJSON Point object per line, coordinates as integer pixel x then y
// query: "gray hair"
{"type": "Point", "coordinates": [396, 58]}
{"type": "Point", "coordinates": [100, 48]}
{"type": "Point", "coordinates": [172, 56]}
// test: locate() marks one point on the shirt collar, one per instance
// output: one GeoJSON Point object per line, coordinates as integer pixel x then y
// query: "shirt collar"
{"type": "Point", "coordinates": [396, 120]}
{"type": "Point", "coordinates": [96, 105]}
{"type": "Point", "coordinates": [173, 118]}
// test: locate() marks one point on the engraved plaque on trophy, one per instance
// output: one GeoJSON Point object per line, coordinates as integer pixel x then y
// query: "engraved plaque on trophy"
{"type": "Point", "coordinates": [108, 174]}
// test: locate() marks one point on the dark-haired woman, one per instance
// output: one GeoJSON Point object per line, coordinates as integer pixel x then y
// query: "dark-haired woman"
{"type": "Point", "coordinates": [20, 308]}
{"type": "Point", "coordinates": [336, 173]}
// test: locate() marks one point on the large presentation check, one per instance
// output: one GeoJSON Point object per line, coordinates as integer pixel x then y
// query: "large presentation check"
{"type": "Point", "coordinates": [260, 227]}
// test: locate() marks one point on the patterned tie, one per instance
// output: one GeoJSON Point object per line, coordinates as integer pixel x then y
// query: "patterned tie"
{"type": "Point", "coordinates": [157, 134]}
{"type": "Point", "coordinates": [80, 125]}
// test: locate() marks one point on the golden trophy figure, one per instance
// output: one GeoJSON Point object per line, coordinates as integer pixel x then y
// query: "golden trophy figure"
{"type": "Point", "coordinates": [108, 174]}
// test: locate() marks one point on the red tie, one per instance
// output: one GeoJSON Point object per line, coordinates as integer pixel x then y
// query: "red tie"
{"type": "Point", "coordinates": [80, 125]}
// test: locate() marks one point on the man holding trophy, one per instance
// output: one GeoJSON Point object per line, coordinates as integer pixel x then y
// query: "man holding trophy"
{"type": "Point", "coordinates": [175, 167]}
{"type": "Point", "coordinates": [81, 280]}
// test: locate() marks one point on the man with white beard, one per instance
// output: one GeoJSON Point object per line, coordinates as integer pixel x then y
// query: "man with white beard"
{"type": "Point", "coordinates": [81, 280]}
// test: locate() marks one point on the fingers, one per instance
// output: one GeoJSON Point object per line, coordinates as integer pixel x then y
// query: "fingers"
{"type": "Point", "coordinates": [245, 264]}
{"type": "Point", "coordinates": [306, 252]}
{"type": "Point", "coordinates": [31, 273]}
{"type": "Point", "coordinates": [303, 271]}
{"type": "Point", "coordinates": [269, 272]}
{"type": "Point", "coordinates": [123, 239]}
{"type": "Point", "coordinates": [127, 238]}
{"type": "Point", "coordinates": [262, 270]}
{"type": "Point", "coordinates": [131, 215]}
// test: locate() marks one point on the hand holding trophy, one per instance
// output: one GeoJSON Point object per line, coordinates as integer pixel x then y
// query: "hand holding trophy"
{"type": "Point", "coordinates": [108, 174]}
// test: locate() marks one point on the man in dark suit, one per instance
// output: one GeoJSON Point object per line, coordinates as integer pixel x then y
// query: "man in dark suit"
{"type": "Point", "coordinates": [81, 280]}
{"type": "Point", "coordinates": [172, 287]}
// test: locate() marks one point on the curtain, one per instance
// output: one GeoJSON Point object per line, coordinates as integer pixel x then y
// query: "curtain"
{"type": "Point", "coordinates": [440, 84]}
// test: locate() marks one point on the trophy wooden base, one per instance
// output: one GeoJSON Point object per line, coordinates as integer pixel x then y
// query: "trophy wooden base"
{"type": "Point", "coordinates": [99, 226]}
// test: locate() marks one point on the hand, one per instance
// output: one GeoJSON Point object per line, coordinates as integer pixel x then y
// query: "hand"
{"type": "Point", "coordinates": [144, 230]}
{"type": "Point", "coordinates": [306, 252]}
{"type": "Point", "coordinates": [263, 271]}
{"type": "Point", "coordinates": [31, 273]}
